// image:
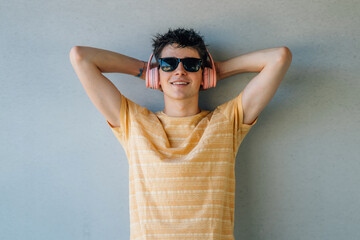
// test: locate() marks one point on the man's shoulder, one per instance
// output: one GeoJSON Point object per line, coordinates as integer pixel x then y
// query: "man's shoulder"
{"type": "Point", "coordinates": [133, 106]}
{"type": "Point", "coordinates": [230, 102]}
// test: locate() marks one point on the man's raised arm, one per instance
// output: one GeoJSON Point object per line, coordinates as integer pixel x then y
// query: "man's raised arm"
{"type": "Point", "coordinates": [89, 64]}
{"type": "Point", "coordinates": [272, 64]}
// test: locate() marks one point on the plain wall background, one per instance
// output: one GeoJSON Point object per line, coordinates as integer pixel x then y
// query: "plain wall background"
{"type": "Point", "coordinates": [64, 175]}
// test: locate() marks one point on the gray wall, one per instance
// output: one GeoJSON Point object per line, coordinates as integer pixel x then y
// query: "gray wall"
{"type": "Point", "coordinates": [64, 175]}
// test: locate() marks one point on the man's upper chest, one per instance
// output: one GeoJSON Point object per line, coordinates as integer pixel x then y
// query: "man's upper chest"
{"type": "Point", "coordinates": [181, 136]}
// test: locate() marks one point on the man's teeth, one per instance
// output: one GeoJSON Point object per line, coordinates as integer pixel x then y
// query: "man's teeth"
{"type": "Point", "coordinates": [180, 83]}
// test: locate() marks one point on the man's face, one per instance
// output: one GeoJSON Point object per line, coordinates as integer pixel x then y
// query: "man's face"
{"type": "Point", "coordinates": [167, 79]}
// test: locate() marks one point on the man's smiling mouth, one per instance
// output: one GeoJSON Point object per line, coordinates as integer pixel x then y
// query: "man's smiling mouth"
{"type": "Point", "coordinates": [180, 83]}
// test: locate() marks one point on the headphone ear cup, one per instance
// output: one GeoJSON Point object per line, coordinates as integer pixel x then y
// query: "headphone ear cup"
{"type": "Point", "coordinates": [156, 78]}
{"type": "Point", "coordinates": [208, 78]}
{"type": "Point", "coordinates": [209, 74]}
{"type": "Point", "coordinates": [152, 80]}
{"type": "Point", "coordinates": [205, 77]}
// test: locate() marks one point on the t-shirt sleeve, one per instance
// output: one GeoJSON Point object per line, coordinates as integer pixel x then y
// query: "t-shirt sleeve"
{"type": "Point", "coordinates": [128, 111]}
{"type": "Point", "coordinates": [233, 110]}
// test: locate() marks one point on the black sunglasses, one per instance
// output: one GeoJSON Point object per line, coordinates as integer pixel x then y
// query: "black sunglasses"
{"type": "Point", "coordinates": [169, 64]}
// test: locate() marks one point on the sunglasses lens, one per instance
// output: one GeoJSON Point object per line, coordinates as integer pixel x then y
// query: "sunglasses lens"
{"type": "Point", "coordinates": [191, 64]}
{"type": "Point", "coordinates": [168, 64]}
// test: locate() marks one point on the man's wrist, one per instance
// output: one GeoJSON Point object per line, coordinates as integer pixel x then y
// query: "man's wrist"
{"type": "Point", "coordinates": [219, 70]}
{"type": "Point", "coordinates": [141, 70]}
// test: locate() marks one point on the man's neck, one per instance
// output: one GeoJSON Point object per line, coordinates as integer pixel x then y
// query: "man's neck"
{"type": "Point", "coordinates": [181, 108]}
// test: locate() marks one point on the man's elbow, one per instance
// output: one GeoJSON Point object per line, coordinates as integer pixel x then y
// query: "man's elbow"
{"type": "Point", "coordinates": [285, 54]}
{"type": "Point", "coordinates": [76, 54]}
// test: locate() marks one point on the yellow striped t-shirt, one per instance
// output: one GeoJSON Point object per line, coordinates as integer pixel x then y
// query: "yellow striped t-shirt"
{"type": "Point", "coordinates": [181, 170]}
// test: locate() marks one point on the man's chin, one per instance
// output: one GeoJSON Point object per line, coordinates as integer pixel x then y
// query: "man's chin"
{"type": "Point", "coordinates": [179, 96]}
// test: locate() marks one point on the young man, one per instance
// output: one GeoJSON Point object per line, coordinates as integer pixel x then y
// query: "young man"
{"type": "Point", "coordinates": [182, 159]}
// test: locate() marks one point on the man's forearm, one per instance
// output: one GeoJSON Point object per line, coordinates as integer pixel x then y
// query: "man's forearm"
{"type": "Point", "coordinates": [249, 62]}
{"type": "Point", "coordinates": [110, 62]}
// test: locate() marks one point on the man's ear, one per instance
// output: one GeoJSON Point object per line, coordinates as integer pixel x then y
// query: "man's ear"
{"type": "Point", "coordinates": [160, 87]}
{"type": "Point", "coordinates": [201, 87]}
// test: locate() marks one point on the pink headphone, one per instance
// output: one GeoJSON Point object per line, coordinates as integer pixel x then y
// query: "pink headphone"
{"type": "Point", "coordinates": [153, 80]}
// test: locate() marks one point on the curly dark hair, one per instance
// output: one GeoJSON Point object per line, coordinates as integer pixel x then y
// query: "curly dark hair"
{"type": "Point", "coordinates": [183, 38]}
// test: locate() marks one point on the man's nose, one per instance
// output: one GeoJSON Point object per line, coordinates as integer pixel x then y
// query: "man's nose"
{"type": "Point", "coordinates": [180, 69]}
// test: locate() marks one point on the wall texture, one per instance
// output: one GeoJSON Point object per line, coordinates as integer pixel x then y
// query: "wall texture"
{"type": "Point", "coordinates": [63, 174]}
